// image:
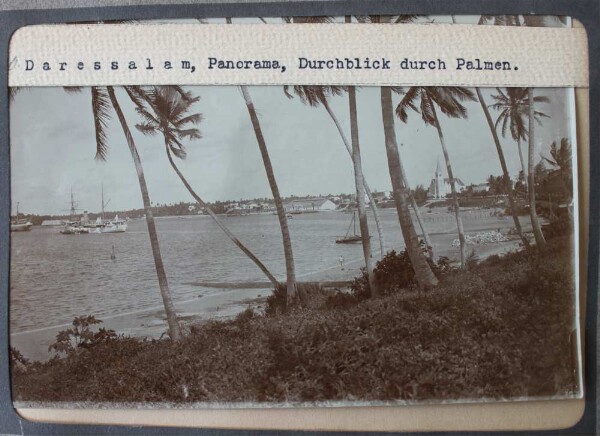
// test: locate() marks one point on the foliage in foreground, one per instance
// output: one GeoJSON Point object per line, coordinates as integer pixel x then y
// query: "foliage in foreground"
{"type": "Point", "coordinates": [502, 329]}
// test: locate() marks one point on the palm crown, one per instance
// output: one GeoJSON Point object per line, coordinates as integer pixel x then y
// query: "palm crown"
{"type": "Point", "coordinates": [514, 111]}
{"type": "Point", "coordinates": [449, 99]}
{"type": "Point", "coordinates": [313, 95]}
{"type": "Point", "coordinates": [170, 107]}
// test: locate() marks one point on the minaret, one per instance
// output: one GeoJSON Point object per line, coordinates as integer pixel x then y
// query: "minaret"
{"type": "Point", "coordinates": [439, 180]}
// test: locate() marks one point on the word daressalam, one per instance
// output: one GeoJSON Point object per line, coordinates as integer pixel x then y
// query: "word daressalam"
{"type": "Point", "coordinates": [213, 63]}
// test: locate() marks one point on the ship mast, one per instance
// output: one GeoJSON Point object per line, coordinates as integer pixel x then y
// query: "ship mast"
{"type": "Point", "coordinates": [72, 212]}
{"type": "Point", "coordinates": [103, 203]}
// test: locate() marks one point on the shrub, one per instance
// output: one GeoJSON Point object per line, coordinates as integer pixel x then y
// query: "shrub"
{"type": "Point", "coordinates": [395, 272]}
{"type": "Point", "coordinates": [245, 316]}
{"type": "Point", "coordinates": [18, 362]}
{"type": "Point", "coordinates": [276, 302]}
{"type": "Point", "coordinates": [557, 227]}
{"type": "Point", "coordinates": [81, 335]}
{"type": "Point", "coordinates": [340, 300]}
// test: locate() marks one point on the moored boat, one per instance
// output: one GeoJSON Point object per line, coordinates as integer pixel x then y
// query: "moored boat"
{"type": "Point", "coordinates": [349, 238]}
{"type": "Point", "coordinates": [20, 225]}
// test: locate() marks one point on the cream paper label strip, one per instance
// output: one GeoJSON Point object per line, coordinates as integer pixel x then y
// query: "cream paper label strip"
{"type": "Point", "coordinates": [276, 54]}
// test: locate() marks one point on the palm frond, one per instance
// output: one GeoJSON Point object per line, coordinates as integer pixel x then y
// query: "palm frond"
{"type": "Point", "coordinates": [147, 128]}
{"type": "Point", "coordinates": [147, 116]}
{"type": "Point", "coordinates": [101, 106]}
{"type": "Point", "coordinates": [189, 134]}
{"type": "Point", "coordinates": [407, 102]}
{"type": "Point", "coordinates": [193, 119]}
{"type": "Point", "coordinates": [72, 89]}
{"type": "Point", "coordinates": [13, 91]}
{"type": "Point", "coordinates": [312, 20]}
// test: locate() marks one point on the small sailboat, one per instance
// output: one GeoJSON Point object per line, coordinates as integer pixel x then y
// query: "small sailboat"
{"type": "Point", "coordinates": [109, 226]}
{"type": "Point", "coordinates": [20, 225]}
{"type": "Point", "coordinates": [350, 238]}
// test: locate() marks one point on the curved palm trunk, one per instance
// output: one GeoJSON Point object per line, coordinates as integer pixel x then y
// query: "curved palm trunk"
{"type": "Point", "coordinates": [459, 223]}
{"type": "Point", "coordinates": [522, 162]}
{"type": "Point", "coordinates": [174, 328]}
{"type": "Point", "coordinates": [415, 206]}
{"type": "Point", "coordinates": [285, 232]}
{"type": "Point", "coordinates": [423, 272]}
{"type": "Point", "coordinates": [367, 189]}
{"type": "Point", "coordinates": [537, 231]}
{"type": "Point", "coordinates": [507, 185]}
{"type": "Point", "coordinates": [210, 212]}
{"type": "Point", "coordinates": [360, 190]}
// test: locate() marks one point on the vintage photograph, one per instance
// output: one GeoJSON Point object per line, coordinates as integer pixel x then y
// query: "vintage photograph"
{"type": "Point", "coordinates": [295, 245]}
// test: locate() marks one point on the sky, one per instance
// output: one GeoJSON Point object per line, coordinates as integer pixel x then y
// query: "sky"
{"type": "Point", "coordinates": [53, 148]}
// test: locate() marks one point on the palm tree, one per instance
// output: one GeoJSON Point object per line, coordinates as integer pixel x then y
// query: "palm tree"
{"type": "Point", "coordinates": [360, 191]}
{"type": "Point", "coordinates": [285, 232]}
{"type": "Point", "coordinates": [506, 176]}
{"type": "Point", "coordinates": [315, 96]}
{"type": "Point", "coordinates": [103, 98]}
{"type": "Point", "coordinates": [561, 160]}
{"type": "Point", "coordinates": [171, 118]}
{"type": "Point", "coordinates": [540, 241]}
{"type": "Point", "coordinates": [415, 206]}
{"type": "Point", "coordinates": [513, 105]}
{"type": "Point", "coordinates": [291, 288]}
{"type": "Point", "coordinates": [532, 21]}
{"type": "Point", "coordinates": [423, 272]}
{"type": "Point", "coordinates": [360, 187]}
{"type": "Point", "coordinates": [449, 100]}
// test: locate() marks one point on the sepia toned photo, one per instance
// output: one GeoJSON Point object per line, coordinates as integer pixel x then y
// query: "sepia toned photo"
{"type": "Point", "coordinates": [251, 246]}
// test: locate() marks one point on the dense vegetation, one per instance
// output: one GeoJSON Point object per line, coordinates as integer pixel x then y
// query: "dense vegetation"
{"type": "Point", "coordinates": [481, 333]}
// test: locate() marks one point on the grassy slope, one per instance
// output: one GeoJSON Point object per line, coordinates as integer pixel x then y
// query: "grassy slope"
{"type": "Point", "coordinates": [500, 330]}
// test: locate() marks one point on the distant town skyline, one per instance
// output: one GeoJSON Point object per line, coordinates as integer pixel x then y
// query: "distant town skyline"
{"type": "Point", "coordinates": [53, 147]}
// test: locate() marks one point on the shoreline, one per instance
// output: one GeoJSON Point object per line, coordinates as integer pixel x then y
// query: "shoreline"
{"type": "Point", "coordinates": [232, 298]}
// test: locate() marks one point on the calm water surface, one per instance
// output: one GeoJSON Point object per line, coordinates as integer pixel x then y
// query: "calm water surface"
{"type": "Point", "coordinates": [55, 277]}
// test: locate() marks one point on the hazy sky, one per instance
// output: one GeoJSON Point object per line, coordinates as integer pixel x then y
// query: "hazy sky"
{"type": "Point", "coordinates": [53, 147]}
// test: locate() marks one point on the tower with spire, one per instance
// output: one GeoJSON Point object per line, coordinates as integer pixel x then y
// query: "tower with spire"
{"type": "Point", "coordinates": [439, 187]}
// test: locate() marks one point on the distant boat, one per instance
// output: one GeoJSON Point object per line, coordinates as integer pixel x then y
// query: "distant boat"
{"type": "Point", "coordinates": [73, 227]}
{"type": "Point", "coordinates": [109, 226]}
{"type": "Point", "coordinates": [115, 226]}
{"type": "Point", "coordinates": [350, 238]}
{"type": "Point", "coordinates": [20, 225]}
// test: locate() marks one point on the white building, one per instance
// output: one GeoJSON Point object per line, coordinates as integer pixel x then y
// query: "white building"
{"type": "Point", "coordinates": [310, 205]}
{"type": "Point", "coordinates": [439, 187]}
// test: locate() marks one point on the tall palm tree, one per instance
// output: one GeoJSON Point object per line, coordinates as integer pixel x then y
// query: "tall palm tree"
{"type": "Point", "coordinates": [171, 117]}
{"type": "Point", "coordinates": [532, 21]}
{"type": "Point", "coordinates": [360, 191]}
{"type": "Point", "coordinates": [423, 272]}
{"type": "Point", "coordinates": [291, 288]}
{"type": "Point", "coordinates": [281, 214]}
{"type": "Point", "coordinates": [449, 100]}
{"type": "Point", "coordinates": [513, 104]}
{"type": "Point", "coordinates": [360, 187]}
{"type": "Point", "coordinates": [506, 176]}
{"type": "Point", "coordinates": [103, 99]}
{"type": "Point", "coordinates": [316, 96]}
{"type": "Point", "coordinates": [540, 241]}
{"type": "Point", "coordinates": [396, 165]}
